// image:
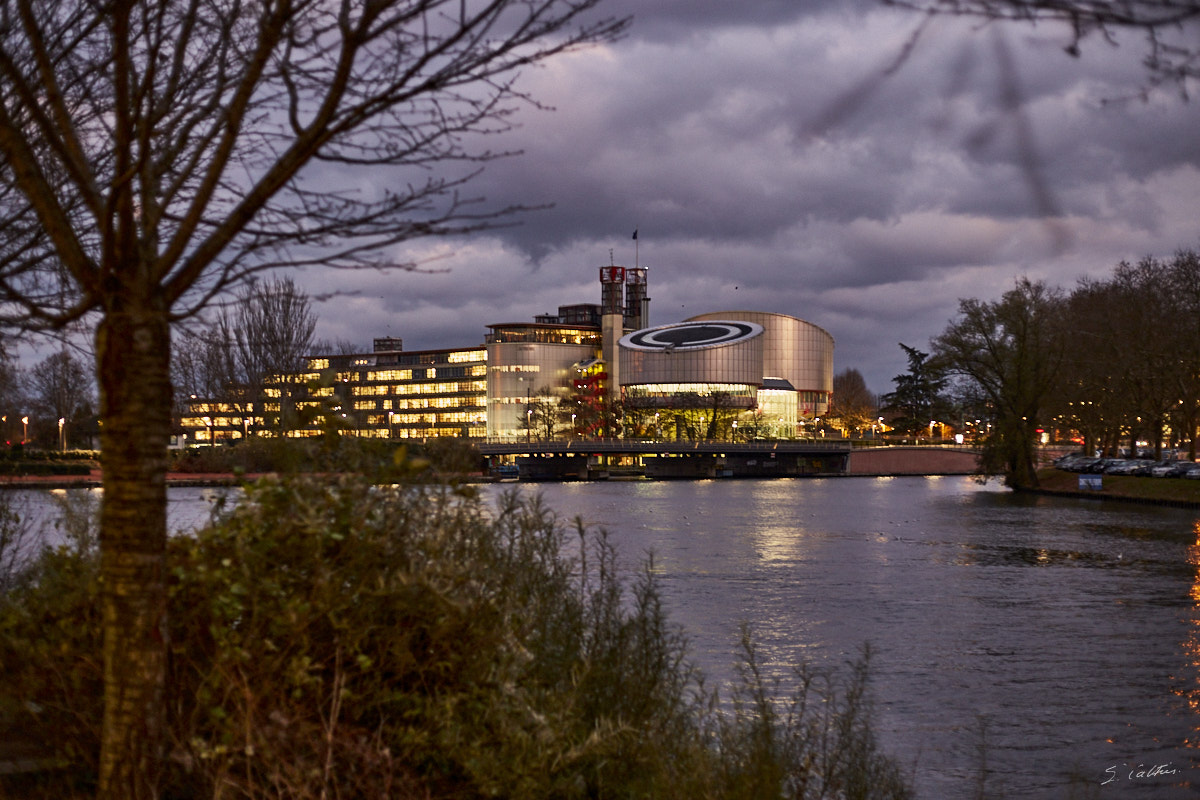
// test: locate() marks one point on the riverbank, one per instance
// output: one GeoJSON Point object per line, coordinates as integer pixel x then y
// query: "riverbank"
{"type": "Point", "coordinates": [1174, 492]}
{"type": "Point", "coordinates": [94, 479]}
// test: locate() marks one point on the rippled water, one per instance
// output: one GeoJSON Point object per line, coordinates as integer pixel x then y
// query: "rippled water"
{"type": "Point", "coordinates": [1048, 644]}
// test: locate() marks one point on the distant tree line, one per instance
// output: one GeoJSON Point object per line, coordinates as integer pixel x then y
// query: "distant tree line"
{"type": "Point", "coordinates": [1110, 364]}
{"type": "Point", "coordinates": [50, 405]}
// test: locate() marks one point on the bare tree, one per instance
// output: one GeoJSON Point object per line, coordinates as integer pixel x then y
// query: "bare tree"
{"type": "Point", "coordinates": [12, 396]}
{"type": "Point", "coordinates": [272, 324]}
{"type": "Point", "coordinates": [61, 391]}
{"type": "Point", "coordinates": [155, 153]}
{"type": "Point", "coordinates": [853, 404]}
{"type": "Point", "coordinates": [1168, 25]}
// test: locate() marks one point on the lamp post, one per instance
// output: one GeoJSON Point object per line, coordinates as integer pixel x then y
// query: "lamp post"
{"type": "Point", "coordinates": [62, 440]}
{"type": "Point", "coordinates": [391, 420]}
{"type": "Point", "coordinates": [24, 429]}
{"type": "Point", "coordinates": [208, 428]}
{"type": "Point", "coordinates": [245, 427]}
{"type": "Point", "coordinates": [735, 430]}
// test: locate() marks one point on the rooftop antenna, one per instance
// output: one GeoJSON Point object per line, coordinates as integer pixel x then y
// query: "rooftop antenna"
{"type": "Point", "coordinates": [635, 247]}
{"type": "Point", "coordinates": [611, 263]}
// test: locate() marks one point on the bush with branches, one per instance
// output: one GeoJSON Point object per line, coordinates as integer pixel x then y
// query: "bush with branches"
{"type": "Point", "coordinates": [331, 638]}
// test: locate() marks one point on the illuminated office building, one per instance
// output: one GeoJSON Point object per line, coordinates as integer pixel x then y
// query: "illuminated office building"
{"type": "Point", "coordinates": [772, 367]}
{"type": "Point", "coordinates": [530, 364]}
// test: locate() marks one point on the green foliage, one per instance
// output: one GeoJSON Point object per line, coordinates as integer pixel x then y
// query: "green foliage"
{"type": "Point", "coordinates": [918, 397]}
{"type": "Point", "coordinates": [377, 458]}
{"type": "Point", "coordinates": [332, 638]}
{"type": "Point", "coordinates": [50, 645]}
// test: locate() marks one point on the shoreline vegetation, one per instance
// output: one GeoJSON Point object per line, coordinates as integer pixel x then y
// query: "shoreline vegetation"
{"type": "Point", "coordinates": [333, 638]}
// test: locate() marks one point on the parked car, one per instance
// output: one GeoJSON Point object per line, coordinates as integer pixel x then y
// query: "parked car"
{"type": "Point", "coordinates": [1182, 468]}
{"type": "Point", "coordinates": [1163, 470]}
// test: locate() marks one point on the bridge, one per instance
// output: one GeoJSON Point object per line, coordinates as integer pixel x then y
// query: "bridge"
{"type": "Point", "coordinates": [585, 459]}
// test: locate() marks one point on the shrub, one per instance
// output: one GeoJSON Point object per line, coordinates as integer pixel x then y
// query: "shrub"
{"type": "Point", "coordinates": [332, 638]}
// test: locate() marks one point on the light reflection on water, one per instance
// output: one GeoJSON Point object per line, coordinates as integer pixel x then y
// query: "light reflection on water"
{"type": "Point", "coordinates": [1059, 635]}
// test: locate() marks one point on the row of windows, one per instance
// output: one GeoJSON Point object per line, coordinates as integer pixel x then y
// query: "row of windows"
{"type": "Point", "coordinates": [440, 373]}
{"type": "Point", "coordinates": [219, 422]}
{"type": "Point", "coordinates": [444, 418]}
{"type": "Point", "coordinates": [448, 387]}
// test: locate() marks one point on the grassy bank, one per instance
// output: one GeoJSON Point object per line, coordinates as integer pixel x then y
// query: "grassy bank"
{"type": "Point", "coordinates": [1169, 491]}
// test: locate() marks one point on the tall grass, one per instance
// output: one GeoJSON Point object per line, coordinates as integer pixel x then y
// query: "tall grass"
{"type": "Point", "coordinates": [333, 639]}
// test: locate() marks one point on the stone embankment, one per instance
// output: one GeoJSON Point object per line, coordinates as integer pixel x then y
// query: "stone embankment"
{"type": "Point", "coordinates": [887, 461]}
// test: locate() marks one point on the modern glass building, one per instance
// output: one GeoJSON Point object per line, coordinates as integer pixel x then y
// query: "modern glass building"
{"type": "Point", "coordinates": [770, 373]}
{"type": "Point", "coordinates": [692, 364]}
{"type": "Point", "coordinates": [383, 394]}
{"type": "Point", "coordinates": [794, 351]}
{"type": "Point", "coordinates": [532, 363]}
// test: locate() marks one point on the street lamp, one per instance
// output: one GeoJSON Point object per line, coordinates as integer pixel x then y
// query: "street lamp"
{"type": "Point", "coordinates": [24, 429]}
{"type": "Point", "coordinates": [391, 420]}
{"type": "Point", "coordinates": [572, 424]}
{"type": "Point", "coordinates": [735, 430]}
{"type": "Point", "coordinates": [62, 440]}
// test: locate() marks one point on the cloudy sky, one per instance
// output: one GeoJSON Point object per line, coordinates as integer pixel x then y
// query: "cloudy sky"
{"type": "Point", "coordinates": [771, 160]}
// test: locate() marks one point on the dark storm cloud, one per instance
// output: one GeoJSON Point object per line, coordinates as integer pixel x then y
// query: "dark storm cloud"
{"type": "Point", "coordinates": [771, 161]}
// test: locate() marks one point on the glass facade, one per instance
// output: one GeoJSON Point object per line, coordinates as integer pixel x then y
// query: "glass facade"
{"type": "Point", "coordinates": [531, 364]}
{"type": "Point", "coordinates": [778, 366]}
{"type": "Point", "coordinates": [395, 395]}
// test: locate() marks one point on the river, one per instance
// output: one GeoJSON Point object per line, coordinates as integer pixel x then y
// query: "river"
{"type": "Point", "coordinates": [1048, 645]}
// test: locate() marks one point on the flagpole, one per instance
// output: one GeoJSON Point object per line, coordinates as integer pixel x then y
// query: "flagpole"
{"type": "Point", "coordinates": [636, 243]}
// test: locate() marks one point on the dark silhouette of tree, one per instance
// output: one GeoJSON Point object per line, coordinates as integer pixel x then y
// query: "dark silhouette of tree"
{"type": "Point", "coordinates": [154, 154]}
{"type": "Point", "coordinates": [1169, 26]}
{"type": "Point", "coordinates": [60, 388]}
{"type": "Point", "coordinates": [1010, 351]}
{"type": "Point", "coordinates": [13, 405]}
{"type": "Point", "coordinates": [853, 406]}
{"type": "Point", "coordinates": [250, 355]}
{"type": "Point", "coordinates": [917, 398]}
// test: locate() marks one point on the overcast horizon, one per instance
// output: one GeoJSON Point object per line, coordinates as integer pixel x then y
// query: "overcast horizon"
{"type": "Point", "coordinates": [768, 164]}
{"type": "Point", "coordinates": [771, 160]}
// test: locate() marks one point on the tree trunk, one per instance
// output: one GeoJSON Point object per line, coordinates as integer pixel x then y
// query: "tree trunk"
{"type": "Point", "coordinates": [133, 355]}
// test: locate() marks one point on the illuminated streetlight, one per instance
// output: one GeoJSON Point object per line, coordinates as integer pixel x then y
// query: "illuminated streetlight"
{"type": "Point", "coordinates": [24, 430]}
{"type": "Point", "coordinates": [62, 440]}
